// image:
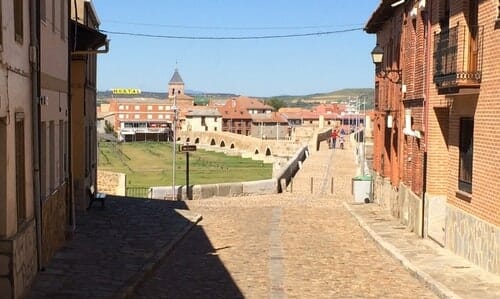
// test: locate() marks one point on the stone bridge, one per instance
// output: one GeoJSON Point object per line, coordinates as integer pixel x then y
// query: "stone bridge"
{"type": "Point", "coordinates": [246, 146]}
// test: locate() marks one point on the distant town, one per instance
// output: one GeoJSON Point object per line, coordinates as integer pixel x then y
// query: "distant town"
{"type": "Point", "coordinates": [133, 115]}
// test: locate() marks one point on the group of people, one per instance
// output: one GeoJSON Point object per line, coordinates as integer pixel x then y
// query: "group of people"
{"type": "Point", "coordinates": [337, 135]}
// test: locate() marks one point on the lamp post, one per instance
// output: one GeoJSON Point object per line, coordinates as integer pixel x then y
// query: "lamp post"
{"type": "Point", "coordinates": [393, 75]}
{"type": "Point", "coordinates": [174, 141]}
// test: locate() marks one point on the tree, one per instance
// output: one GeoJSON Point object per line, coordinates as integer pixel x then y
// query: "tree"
{"type": "Point", "coordinates": [276, 103]}
{"type": "Point", "coordinates": [108, 127]}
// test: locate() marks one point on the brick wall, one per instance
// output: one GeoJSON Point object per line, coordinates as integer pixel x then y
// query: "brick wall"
{"type": "Point", "coordinates": [484, 106]}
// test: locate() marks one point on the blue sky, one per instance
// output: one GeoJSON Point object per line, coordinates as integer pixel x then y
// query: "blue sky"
{"type": "Point", "coordinates": [264, 67]}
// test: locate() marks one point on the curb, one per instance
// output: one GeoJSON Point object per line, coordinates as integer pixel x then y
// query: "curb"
{"type": "Point", "coordinates": [435, 286]}
{"type": "Point", "coordinates": [127, 290]}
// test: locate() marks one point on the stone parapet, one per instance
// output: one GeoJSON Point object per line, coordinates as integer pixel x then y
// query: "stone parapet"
{"type": "Point", "coordinates": [113, 183]}
{"type": "Point", "coordinates": [473, 238]}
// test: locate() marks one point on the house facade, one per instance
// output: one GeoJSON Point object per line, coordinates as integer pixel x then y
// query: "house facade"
{"type": "Point", "coordinates": [433, 119]}
{"type": "Point", "coordinates": [19, 217]}
{"type": "Point", "coordinates": [237, 114]}
{"type": "Point", "coordinates": [202, 119]}
{"type": "Point", "coordinates": [83, 138]}
{"type": "Point", "coordinates": [36, 194]}
{"type": "Point", "coordinates": [270, 126]}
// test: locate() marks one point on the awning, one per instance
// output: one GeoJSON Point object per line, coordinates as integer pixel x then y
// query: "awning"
{"type": "Point", "coordinates": [86, 37]}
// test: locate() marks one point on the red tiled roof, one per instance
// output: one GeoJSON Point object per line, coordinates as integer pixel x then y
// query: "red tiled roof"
{"type": "Point", "coordinates": [237, 108]}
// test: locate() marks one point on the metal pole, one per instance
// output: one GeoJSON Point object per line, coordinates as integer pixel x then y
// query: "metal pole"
{"type": "Point", "coordinates": [174, 129]}
{"type": "Point", "coordinates": [331, 188]}
{"type": "Point", "coordinates": [187, 176]}
{"type": "Point", "coordinates": [312, 183]}
{"type": "Point", "coordinates": [364, 135]}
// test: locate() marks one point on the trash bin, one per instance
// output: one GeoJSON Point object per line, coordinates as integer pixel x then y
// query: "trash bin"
{"type": "Point", "coordinates": [362, 188]}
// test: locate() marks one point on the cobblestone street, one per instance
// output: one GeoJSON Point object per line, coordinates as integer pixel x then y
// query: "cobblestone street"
{"type": "Point", "coordinates": [292, 245]}
{"type": "Point", "coordinates": [279, 247]}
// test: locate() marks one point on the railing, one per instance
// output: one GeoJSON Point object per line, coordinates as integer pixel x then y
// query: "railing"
{"type": "Point", "coordinates": [458, 62]}
{"type": "Point", "coordinates": [141, 192]}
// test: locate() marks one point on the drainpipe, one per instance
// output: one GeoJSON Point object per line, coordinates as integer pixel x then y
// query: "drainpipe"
{"type": "Point", "coordinates": [35, 91]}
{"type": "Point", "coordinates": [427, 77]}
{"type": "Point", "coordinates": [69, 168]}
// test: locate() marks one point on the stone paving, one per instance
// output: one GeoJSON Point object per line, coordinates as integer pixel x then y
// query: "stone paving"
{"type": "Point", "coordinates": [293, 245]}
{"type": "Point", "coordinates": [112, 248]}
{"type": "Point", "coordinates": [308, 242]}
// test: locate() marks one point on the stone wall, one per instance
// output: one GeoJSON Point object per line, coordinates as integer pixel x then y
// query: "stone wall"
{"type": "Point", "coordinates": [54, 221]}
{"type": "Point", "coordinates": [111, 182]}
{"type": "Point", "coordinates": [435, 217]}
{"type": "Point", "coordinates": [411, 210]}
{"type": "Point", "coordinates": [210, 190]}
{"type": "Point", "coordinates": [270, 186]}
{"type": "Point", "coordinates": [473, 239]}
{"type": "Point", "coordinates": [402, 203]}
{"type": "Point", "coordinates": [18, 262]}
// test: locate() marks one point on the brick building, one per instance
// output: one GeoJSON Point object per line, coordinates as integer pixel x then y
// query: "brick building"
{"type": "Point", "coordinates": [435, 110]}
{"type": "Point", "coordinates": [237, 114]}
{"type": "Point", "coordinates": [141, 119]}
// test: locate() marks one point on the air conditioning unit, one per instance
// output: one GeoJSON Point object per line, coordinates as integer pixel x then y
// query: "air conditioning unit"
{"type": "Point", "coordinates": [413, 13]}
{"type": "Point", "coordinates": [390, 121]}
{"type": "Point", "coordinates": [421, 5]}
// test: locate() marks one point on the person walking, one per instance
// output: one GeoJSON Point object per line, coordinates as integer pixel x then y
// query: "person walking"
{"type": "Point", "coordinates": [334, 138]}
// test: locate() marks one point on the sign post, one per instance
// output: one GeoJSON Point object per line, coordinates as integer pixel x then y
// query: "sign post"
{"type": "Point", "coordinates": [186, 148]}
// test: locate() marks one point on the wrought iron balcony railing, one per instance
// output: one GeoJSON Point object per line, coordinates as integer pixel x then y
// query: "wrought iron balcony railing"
{"type": "Point", "coordinates": [457, 57]}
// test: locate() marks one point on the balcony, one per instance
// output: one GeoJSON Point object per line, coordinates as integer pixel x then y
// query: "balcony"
{"type": "Point", "coordinates": [458, 54]}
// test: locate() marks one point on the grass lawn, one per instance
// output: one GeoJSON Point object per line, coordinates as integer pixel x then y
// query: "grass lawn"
{"type": "Point", "coordinates": [149, 164]}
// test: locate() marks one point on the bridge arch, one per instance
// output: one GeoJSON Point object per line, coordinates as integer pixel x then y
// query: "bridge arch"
{"type": "Point", "coordinates": [256, 151]}
{"type": "Point", "coordinates": [232, 146]}
{"type": "Point", "coordinates": [268, 152]}
{"type": "Point", "coordinates": [197, 140]}
{"type": "Point", "coordinates": [212, 142]}
{"type": "Point", "coordinates": [222, 143]}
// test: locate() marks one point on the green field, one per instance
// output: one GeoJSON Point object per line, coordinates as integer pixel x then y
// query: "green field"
{"type": "Point", "coordinates": [149, 164]}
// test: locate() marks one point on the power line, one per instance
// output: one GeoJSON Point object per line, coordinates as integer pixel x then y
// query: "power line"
{"type": "Point", "coordinates": [320, 33]}
{"type": "Point", "coordinates": [229, 28]}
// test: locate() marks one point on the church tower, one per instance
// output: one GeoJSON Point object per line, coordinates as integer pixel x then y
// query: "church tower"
{"type": "Point", "coordinates": [175, 86]}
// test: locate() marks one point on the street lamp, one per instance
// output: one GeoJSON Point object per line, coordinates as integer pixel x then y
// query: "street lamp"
{"type": "Point", "coordinates": [394, 75]}
{"type": "Point", "coordinates": [174, 142]}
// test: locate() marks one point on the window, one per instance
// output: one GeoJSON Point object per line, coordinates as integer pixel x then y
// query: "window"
{"type": "Point", "coordinates": [43, 160]}
{"type": "Point", "coordinates": [444, 14]}
{"type": "Point", "coordinates": [20, 169]}
{"type": "Point", "coordinates": [18, 20]}
{"type": "Point", "coordinates": [150, 107]}
{"type": "Point", "coordinates": [120, 116]}
{"type": "Point", "coordinates": [160, 107]}
{"type": "Point", "coordinates": [137, 116]}
{"type": "Point", "coordinates": [53, 15]}
{"type": "Point", "coordinates": [63, 20]}
{"type": "Point", "coordinates": [52, 160]}
{"type": "Point", "coordinates": [62, 151]}
{"type": "Point", "coordinates": [150, 116]}
{"type": "Point", "coordinates": [137, 107]}
{"type": "Point", "coordinates": [498, 11]}
{"type": "Point", "coordinates": [3, 160]}
{"type": "Point", "coordinates": [1, 26]}
{"type": "Point", "coordinates": [466, 154]}
{"type": "Point", "coordinates": [160, 116]}
{"type": "Point", "coordinates": [43, 10]}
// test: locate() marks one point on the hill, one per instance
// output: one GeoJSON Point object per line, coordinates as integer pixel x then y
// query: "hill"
{"type": "Point", "coordinates": [337, 96]}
